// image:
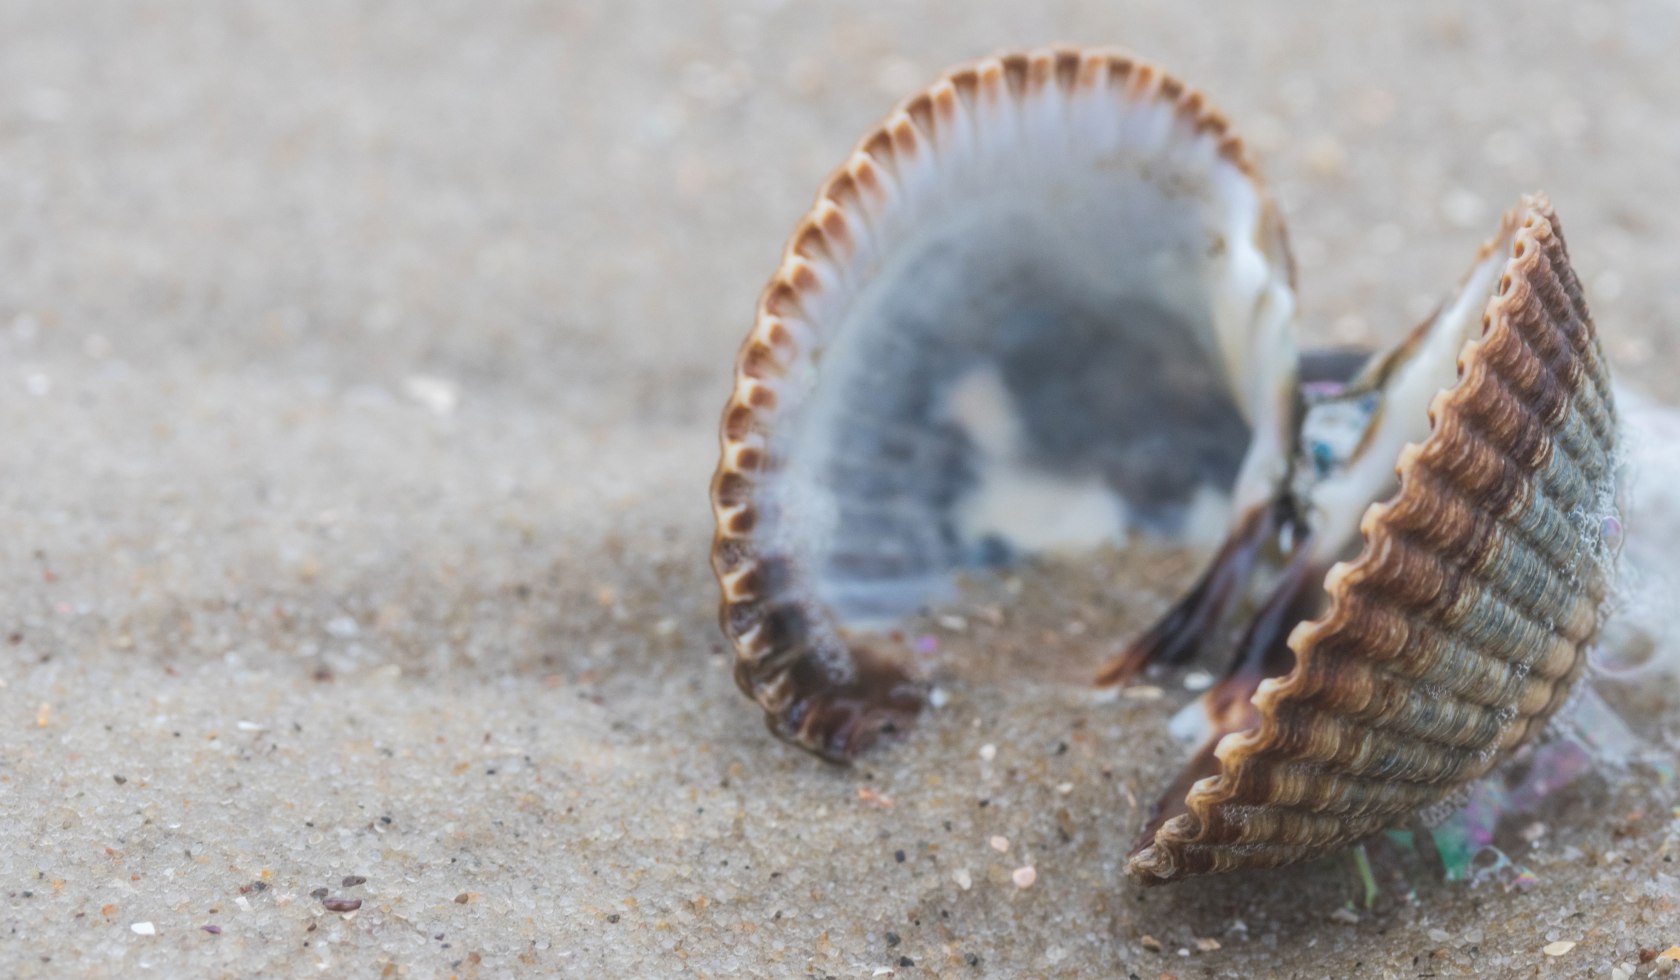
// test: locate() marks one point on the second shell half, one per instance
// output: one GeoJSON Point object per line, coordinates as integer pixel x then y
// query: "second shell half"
{"type": "Point", "coordinates": [1049, 303]}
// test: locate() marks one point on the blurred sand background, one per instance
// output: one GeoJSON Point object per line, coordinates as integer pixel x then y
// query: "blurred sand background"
{"type": "Point", "coordinates": [359, 369]}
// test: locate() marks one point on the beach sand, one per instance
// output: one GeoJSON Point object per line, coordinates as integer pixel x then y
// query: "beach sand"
{"type": "Point", "coordinates": [359, 376]}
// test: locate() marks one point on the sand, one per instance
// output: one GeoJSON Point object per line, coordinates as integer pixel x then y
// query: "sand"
{"type": "Point", "coordinates": [359, 367]}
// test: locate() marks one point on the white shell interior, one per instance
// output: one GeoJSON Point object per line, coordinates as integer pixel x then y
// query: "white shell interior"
{"type": "Point", "coordinates": [1361, 471]}
{"type": "Point", "coordinates": [1072, 332]}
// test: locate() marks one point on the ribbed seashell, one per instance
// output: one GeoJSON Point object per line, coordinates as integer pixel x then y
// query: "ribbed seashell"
{"type": "Point", "coordinates": [1461, 626]}
{"type": "Point", "coordinates": [1049, 303]}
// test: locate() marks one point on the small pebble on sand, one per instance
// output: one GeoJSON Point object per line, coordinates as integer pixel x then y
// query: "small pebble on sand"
{"type": "Point", "coordinates": [143, 929]}
{"type": "Point", "coordinates": [1000, 844]}
{"type": "Point", "coordinates": [869, 797]}
{"type": "Point", "coordinates": [1558, 948]}
{"type": "Point", "coordinates": [1024, 877]}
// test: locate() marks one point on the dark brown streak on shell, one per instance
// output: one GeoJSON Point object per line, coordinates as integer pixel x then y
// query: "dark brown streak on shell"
{"type": "Point", "coordinates": [1484, 573]}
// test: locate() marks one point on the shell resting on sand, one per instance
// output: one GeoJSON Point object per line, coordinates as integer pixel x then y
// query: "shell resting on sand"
{"type": "Point", "coordinates": [1049, 303]}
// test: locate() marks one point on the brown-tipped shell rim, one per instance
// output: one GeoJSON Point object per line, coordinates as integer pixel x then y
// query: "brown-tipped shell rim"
{"type": "Point", "coordinates": [846, 221]}
{"type": "Point", "coordinates": [1461, 626]}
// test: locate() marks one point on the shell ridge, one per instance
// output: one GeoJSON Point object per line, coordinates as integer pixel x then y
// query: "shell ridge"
{"type": "Point", "coordinates": [1289, 831]}
{"type": "Point", "coordinates": [1396, 701]}
{"type": "Point", "coordinates": [1314, 791]}
{"type": "Point", "coordinates": [1556, 482]}
{"type": "Point", "coordinates": [1216, 805]}
{"type": "Point", "coordinates": [1534, 518]}
{"type": "Point", "coordinates": [1218, 826]}
{"type": "Point", "coordinates": [1357, 751]}
{"type": "Point", "coordinates": [1553, 279]}
{"type": "Point", "coordinates": [1451, 569]}
{"type": "Point", "coordinates": [1560, 478]}
{"type": "Point", "coordinates": [1307, 738]}
{"type": "Point", "coordinates": [1502, 630]}
{"type": "Point", "coordinates": [1373, 602]}
{"type": "Point", "coordinates": [1494, 395]}
{"type": "Point", "coordinates": [1546, 395]}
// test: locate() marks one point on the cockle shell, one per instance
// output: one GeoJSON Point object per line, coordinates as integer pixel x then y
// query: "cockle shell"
{"type": "Point", "coordinates": [1074, 233]}
{"type": "Point", "coordinates": [1460, 628]}
{"type": "Point", "coordinates": [1048, 303]}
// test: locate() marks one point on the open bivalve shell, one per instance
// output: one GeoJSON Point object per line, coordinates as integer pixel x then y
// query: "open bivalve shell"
{"type": "Point", "coordinates": [1049, 304]}
{"type": "Point", "coordinates": [1046, 304]}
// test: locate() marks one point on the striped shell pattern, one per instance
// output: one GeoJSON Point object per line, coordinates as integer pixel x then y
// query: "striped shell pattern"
{"type": "Point", "coordinates": [1461, 626]}
{"type": "Point", "coordinates": [1049, 304]}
